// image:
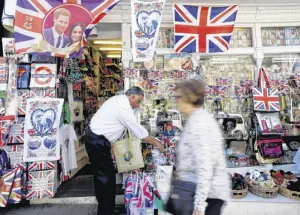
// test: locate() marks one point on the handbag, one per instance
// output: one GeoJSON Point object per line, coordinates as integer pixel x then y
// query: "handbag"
{"type": "Point", "coordinates": [265, 98]}
{"type": "Point", "coordinates": [181, 200]}
{"type": "Point", "coordinates": [128, 154]}
{"type": "Point", "coordinates": [270, 147]}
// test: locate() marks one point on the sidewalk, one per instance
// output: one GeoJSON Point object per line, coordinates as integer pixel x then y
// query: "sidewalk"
{"type": "Point", "coordinates": [77, 209]}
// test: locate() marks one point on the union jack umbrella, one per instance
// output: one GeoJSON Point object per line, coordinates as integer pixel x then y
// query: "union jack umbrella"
{"type": "Point", "coordinates": [8, 179]}
{"type": "Point", "coordinates": [41, 165]}
{"type": "Point", "coordinates": [40, 184]}
{"type": "Point", "coordinates": [128, 190]}
{"type": "Point", "coordinates": [266, 99]}
{"type": "Point", "coordinates": [5, 124]}
{"type": "Point", "coordinates": [147, 193]}
{"type": "Point", "coordinates": [203, 29]}
{"type": "Point", "coordinates": [16, 193]}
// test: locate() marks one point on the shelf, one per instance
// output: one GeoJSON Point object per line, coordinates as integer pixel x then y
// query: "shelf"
{"type": "Point", "coordinates": [113, 65]}
{"type": "Point", "coordinates": [110, 76]}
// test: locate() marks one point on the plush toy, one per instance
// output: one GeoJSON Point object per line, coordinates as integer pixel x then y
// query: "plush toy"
{"type": "Point", "coordinates": [238, 182]}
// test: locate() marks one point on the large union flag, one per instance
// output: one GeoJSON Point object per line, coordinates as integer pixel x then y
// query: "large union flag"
{"type": "Point", "coordinates": [203, 29]}
{"type": "Point", "coordinates": [266, 99]}
{"type": "Point", "coordinates": [57, 27]}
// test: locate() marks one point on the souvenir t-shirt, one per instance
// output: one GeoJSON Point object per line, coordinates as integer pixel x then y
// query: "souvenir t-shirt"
{"type": "Point", "coordinates": [67, 138]}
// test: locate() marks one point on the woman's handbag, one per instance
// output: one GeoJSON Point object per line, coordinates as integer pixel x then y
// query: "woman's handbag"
{"type": "Point", "coordinates": [128, 154]}
{"type": "Point", "coordinates": [181, 200]}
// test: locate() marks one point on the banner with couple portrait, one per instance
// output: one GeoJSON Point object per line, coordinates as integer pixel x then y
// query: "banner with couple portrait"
{"type": "Point", "coordinates": [56, 27]}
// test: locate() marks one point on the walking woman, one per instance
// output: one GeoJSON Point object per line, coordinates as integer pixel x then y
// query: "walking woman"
{"type": "Point", "coordinates": [201, 184]}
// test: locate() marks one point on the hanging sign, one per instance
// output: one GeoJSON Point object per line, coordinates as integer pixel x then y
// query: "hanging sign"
{"type": "Point", "coordinates": [43, 75]}
{"type": "Point", "coordinates": [41, 136]}
{"type": "Point", "coordinates": [146, 18]}
{"type": "Point", "coordinates": [55, 27]}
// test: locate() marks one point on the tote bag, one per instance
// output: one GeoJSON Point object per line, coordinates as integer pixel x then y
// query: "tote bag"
{"type": "Point", "coordinates": [265, 98]}
{"type": "Point", "coordinates": [128, 154]}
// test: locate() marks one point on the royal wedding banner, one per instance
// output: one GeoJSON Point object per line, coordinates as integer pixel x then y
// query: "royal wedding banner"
{"type": "Point", "coordinates": [146, 18]}
{"type": "Point", "coordinates": [41, 136]}
{"type": "Point", "coordinates": [56, 27]}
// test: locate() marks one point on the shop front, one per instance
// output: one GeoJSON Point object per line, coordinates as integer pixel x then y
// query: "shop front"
{"type": "Point", "coordinates": [265, 41]}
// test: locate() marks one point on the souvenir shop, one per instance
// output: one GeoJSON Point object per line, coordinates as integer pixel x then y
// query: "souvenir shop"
{"type": "Point", "coordinates": [253, 90]}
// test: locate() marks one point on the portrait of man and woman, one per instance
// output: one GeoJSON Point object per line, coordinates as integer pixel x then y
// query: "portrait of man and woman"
{"type": "Point", "coordinates": [58, 37]}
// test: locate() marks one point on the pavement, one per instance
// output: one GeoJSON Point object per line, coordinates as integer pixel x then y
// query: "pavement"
{"type": "Point", "coordinates": [55, 209]}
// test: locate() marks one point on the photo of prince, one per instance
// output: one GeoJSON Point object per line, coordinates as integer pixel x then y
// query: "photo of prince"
{"type": "Point", "coordinates": [55, 36]}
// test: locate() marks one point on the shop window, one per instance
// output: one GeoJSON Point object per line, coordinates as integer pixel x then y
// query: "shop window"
{"type": "Point", "coordinates": [241, 38]}
{"type": "Point", "coordinates": [281, 36]}
{"type": "Point", "coordinates": [279, 67]}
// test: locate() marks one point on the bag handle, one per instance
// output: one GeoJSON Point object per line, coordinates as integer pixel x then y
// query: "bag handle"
{"type": "Point", "coordinates": [126, 132]}
{"type": "Point", "coordinates": [262, 77]}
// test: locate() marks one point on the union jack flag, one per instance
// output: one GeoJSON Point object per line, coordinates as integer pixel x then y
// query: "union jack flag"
{"type": "Point", "coordinates": [8, 179]}
{"type": "Point", "coordinates": [147, 193]}
{"type": "Point", "coordinates": [15, 153]}
{"type": "Point", "coordinates": [203, 29]}
{"type": "Point", "coordinates": [221, 91]}
{"type": "Point", "coordinates": [16, 193]}
{"type": "Point", "coordinates": [41, 165]}
{"type": "Point", "coordinates": [239, 91]}
{"type": "Point", "coordinates": [5, 124]}
{"type": "Point", "coordinates": [30, 17]}
{"type": "Point", "coordinates": [170, 141]}
{"type": "Point", "coordinates": [128, 190]}
{"type": "Point", "coordinates": [42, 93]}
{"type": "Point", "coordinates": [284, 87]}
{"type": "Point", "coordinates": [40, 184]}
{"type": "Point", "coordinates": [16, 134]}
{"type": "Point", "coordinates": [266, 99]}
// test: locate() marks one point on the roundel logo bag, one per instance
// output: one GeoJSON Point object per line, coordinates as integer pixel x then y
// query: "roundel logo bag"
{"type": "Point", "coordinates": [128, 154]}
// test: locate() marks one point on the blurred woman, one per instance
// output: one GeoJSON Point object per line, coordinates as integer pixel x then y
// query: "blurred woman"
{"type": "Point", "coordinates": [201, 184]}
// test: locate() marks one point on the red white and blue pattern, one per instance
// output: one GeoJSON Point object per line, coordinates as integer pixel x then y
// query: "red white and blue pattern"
{"type": "Point", "coordinates": [15, 153]}
{"type": "Point", "coordinates": [266, 99]}
{"type": "Point", "coordinates": [147, 193]}
{"type": "Point", "coordinates": [203, 29]}
{"type": "Point", "coordinates": [5, 124]}
{"type": "Point", "coordinates": [42, 93]}
{"type": "Point", "coordinates": [16, 193]}
{"type": "Point", "coordinates": [40, 184]}
{"type": "Point", "coordinates": [42, 165]}
{"type": "Point", "coordinates": [30, 15]}
{"type": "Point", "coordinates": [7, 180]}
{"type": "Point", "coordinates": [23, 95]}
{"type": "Point", "coordinates": [128, 190]}
{"type": "Point", "coordinates": [16, 134]}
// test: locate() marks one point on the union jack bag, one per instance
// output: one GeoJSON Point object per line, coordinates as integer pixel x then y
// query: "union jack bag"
{"type": "Point", "coordinates": [264, 97]}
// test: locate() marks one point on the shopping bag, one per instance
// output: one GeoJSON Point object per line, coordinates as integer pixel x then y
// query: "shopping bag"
{"type": "Point", "coordinates": [264, 97]}
{"type": "Point", "coordinates": [163, 180]}
{"type": "Point", "coordinates": [128, 154]}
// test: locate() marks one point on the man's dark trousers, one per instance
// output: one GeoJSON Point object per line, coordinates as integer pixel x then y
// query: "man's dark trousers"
{"type": "Point", "coordinates": [99, 152]}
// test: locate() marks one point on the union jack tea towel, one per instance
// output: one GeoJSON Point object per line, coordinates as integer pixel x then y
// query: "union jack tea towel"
{"type": "Point", "coordinates": [41, 165]}
{"type": "Point", "coordinates": [203, 29]}
{"type": "Point", "coordinates": [15, 153]}
{"type": "Point", "coordinates": [43, 76]}
{"type": "Point", "coordinates": [23, 95]}
{"type": "Point", "coordinates": [41, 136]}
{"type": "Point", "coordinates": [16, 134]}
{"type": "Point", "coordinates": [146, 18]}
{"type": "Point", "coordinates": [16, 193]}
{"type": "Point", "coordinates": [5, 125]}
{"type": "Point", "coordinates": [40, 184]}
{"type": "Point", "coordinates": [3, 70]}
{"type": "Point", "coordinates": [37, 23]}
{"type": "Point", "coordinates": [23, 76]}
{"type": "Point", "coordinates": [42, 93]}
{"type": "Point", "coordinates": [6, 180]}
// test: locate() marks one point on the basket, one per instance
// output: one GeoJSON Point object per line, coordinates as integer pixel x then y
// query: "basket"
{"type": "Point", "coordinates": [263, 192]}
{"type": "Point", "coordinates": [239, 194]}
{"type": "Point", "coordinates": [289, 193]}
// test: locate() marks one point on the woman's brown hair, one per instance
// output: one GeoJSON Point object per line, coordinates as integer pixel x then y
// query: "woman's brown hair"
{"type": "Point", "coordinates": [192, 91]}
